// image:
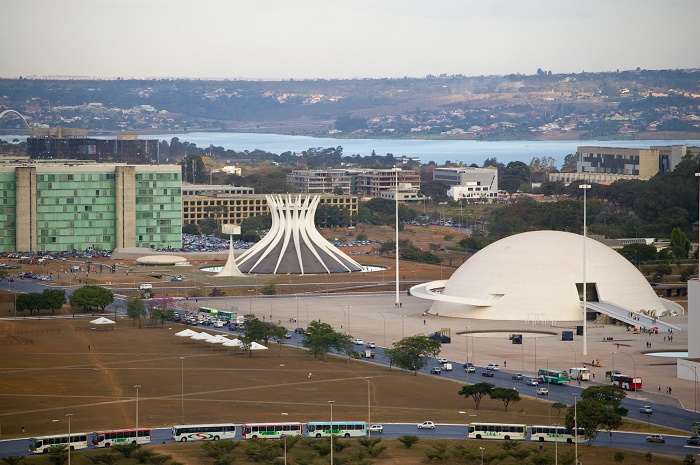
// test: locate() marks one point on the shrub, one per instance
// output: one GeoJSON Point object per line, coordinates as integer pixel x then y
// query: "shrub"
{"type": "Point", "coordinates": [407, 440]}
{"type": "Point", "coordinates": [437, 451]}
{"type": "Point", "coordinates": [619, 456]}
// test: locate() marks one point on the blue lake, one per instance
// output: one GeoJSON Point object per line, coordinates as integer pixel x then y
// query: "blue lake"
{"type": "Point", "coordinates": [440, 151]}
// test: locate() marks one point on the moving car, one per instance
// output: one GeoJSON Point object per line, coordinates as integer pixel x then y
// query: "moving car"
{"type": "Point", "coordinates": [656, 438]}
{"type": "Point", "coordinates": [359, 342]}
{"type": "Point", "coordinates": [376, 428]}
{"type": "Point", "coordinates": [299, 331]}
{"type": "Point", "coordinates": [518, 376]}
{"type": "Point", "coordinates": [436, 370]}
{"type": "Point", "coordinates": [442, 360]}
{"type": "Point", "coordinates": [426, 425]}
{"type": "Point", "coordinates": [693, 440]}
{"type": "Point", "coordinates": [371, 345]}
{"type": "Point", "coordinates": [488, 374]}
{"type": "Point", "coordinates": [542, 391]}
{"type": "Point", "coordinates": [645, 409]}
{"type": "Point", "coordinates": [287, 335]}
{"type": "Point", "coordinates": [531, 382]}
{"type": "Point", "coordinates": [493, 366]}
{"type": "Point", "coordinates": [470, 368]}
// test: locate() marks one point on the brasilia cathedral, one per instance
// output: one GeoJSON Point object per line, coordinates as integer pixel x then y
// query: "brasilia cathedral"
{"type": "Point", "coordinates": [293, 245]}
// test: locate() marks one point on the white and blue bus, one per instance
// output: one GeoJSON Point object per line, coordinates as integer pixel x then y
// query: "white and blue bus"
{"type": "Point", "coordinates": [205, 432]}
{"type": "Point", "coordinates": [346, 429]}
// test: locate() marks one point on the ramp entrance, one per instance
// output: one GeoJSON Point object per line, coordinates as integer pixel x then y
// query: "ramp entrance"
{"type": "Point", "coordinates": [591, 292]}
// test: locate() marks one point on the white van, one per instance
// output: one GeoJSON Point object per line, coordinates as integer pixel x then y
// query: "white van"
{"type": "Point", "coordinates": [447, 366]}
{"type": "Point", "coordinates": [145, 287]}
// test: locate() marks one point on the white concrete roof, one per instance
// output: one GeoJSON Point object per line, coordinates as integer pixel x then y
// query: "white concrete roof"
{"type": "Point", "coordinates": [533, 276]}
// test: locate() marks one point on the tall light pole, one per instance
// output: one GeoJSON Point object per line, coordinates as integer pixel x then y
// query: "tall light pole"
{"type": "Point", "coordinates": [466, 343]}
{"type": "Point", "coordinates": [348, 318]}
{"type": "Point", "coordinates": [585, 187]}
{"type": "Point", "coordinates": [556, 443]}
{"type": "Point", "coordinates": [69, 415]}
{"type": "Point", "coordinates": [402, 333]}
{"type": "Point", "coordinates": [575, 432]}
{"type": "Point", "coordinates": [297, 299]}
{"type": "Point", "coordinates": [331, 402]}
{"type": "Point", "coordinates": [345, 317]}
{"type": "Point", "coordinates": [137, 386]}
{"type": "Point", "coordinates": [182, 388]}
{"type": "Point", "coordinates": [396, 202]}
{"type": "Point", "coordinates": [572, 350]}
{"type": "Point", "coordinates": [612, 375]}
{"type": "Point", "coordinates": [695, 371]}
{"type": "Point", "coordinates": [635, 371]}
{"type": "Point", "coordinates": [369, 407]}
{"type": "Point", "coordinates": [482, 455]}
{"type": "Point", "coordinates": [536, 356]}
{"type": "Point", "coordinates": [384, 323]}
{"type": "Point", "coordinates": [250, 300]}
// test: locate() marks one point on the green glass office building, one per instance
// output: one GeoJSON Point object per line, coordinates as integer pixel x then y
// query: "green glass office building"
{"type": "Point", "coordinates": [61, 207]}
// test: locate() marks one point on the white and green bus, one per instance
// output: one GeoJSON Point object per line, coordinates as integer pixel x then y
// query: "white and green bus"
{"type": "Point", "coordinates": [505, 431]}
{"type": "Point", "coordinates": [556, 434]}
{"type": "Point", "coordinates": [270, 430]}
{"type": "Point", "coordinates": [206, 432]}
{"type": "Point", "coordinates": [44, 444]}
{"type": "Point", "coordinates": [121, 436]}
{"type": "Point", "coordinates": [346, 429]}
{"type": "Point", "coordinates": [553, 376]}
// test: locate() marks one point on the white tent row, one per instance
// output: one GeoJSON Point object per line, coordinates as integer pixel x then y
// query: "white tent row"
{"type": "Point", "coordinates": [218, 339]}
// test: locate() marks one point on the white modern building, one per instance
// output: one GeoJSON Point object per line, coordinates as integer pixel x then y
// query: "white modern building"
{"type": "Point", "coordinates": [538, 276]}
{"type": "Point", "coordinates": [293, 245]}
{"type": "Point", "coordinates": [469, 183]}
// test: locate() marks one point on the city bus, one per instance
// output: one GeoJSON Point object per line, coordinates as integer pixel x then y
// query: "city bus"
{"type": "Point", "coordinates": [553, 376]}
{"type": "Point", "coordinates": [346, 429]}
{"type": "Point", "coordinates": [580, 374]}
{"type": "Point", "coordinates": [270, 430]}
{"type": "Point", "coordinates": [556, 434]}
{"type": "Point", "coordinates": [121, 436]}
{"type": "Point", "coordinates": [207, 432]}
{"type": "Point", "coordinates": [44, 444]}
{"type": "Point", "coordinates": [497, 431]}
{"type": "Point", "coordinates": [629, 383]}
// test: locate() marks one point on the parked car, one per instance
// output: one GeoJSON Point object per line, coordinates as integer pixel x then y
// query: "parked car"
{"type": "Point", "coordinates": [542, 391]}
{"type": "Point", "coordinates": [426, 425]}
{"type": "Point", "coordinates": [693, 440]}
{"type": "Point", "coordinates": [518, 376]}
{"type": "Point", "coordinates": [645, 409]}
{"type": "Point", "coordinates": [436, 370]}
{"type": "Point", "coordinates": [493, 366]}
{"type": "Point", "coordinates": [656, 438]}
{"type": "Point", "coordinates": [531, 382]}
{"type": "Point", "coordinates": [488, 374]}
{"type": "Point", "coordinates": [376, 428]}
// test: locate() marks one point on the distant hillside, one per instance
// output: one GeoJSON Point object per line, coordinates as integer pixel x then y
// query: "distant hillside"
{"type": "Point", "coordinates": [628, 104]}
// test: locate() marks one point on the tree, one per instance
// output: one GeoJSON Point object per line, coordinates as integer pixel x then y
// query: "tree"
{"type": "Point", "coordinates": [680, 244]}
{"type": "Point", "coordinates": [599, 409]}
{"type": "Point", "coordinates": [135, 309]}
{"type": "Point", "coordinates": [320, 339]}
{"type": "Point", "coordinates": [160, 308]}
{"type": "Point", "coordinates": [559, 406]}
{"type": "Point", "coordinates": [256, 330]}
{"type": "Point", "coordinates": [476, 391]}
{"type": "Point", "coordinates": [269, 289]}
{"type": "Point", "coordinates": [413, 352]}
{"type": "Point", "coordinates": [505, 395]}
{"type": "Point", "coordinates": [408, 440]}
{"type": "Point", "coordinates": [91, 297]}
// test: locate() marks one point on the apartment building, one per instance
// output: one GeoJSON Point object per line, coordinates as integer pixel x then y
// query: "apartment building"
{"type": "Point", "coordinates": [469, 183]}
{"type": "Point", "coordinates": [372, 183]}
{"type": "Point", "coordinates": [66, 206]}
{"type": "Point", "coordinates": [322, 181]}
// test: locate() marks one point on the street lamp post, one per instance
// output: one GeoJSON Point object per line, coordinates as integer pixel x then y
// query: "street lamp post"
{"type": "Point", "coordinates": [556, 443]}
{"type": "Point", "coordinates": [536, 355]}
{"type": "Point", "coordinates": [345, 317]}
{"type": "Point", "coordinates": [572, 350]}
{"type": "Point", "coordinates": [369, 407]}
{"type": "Point", "coordinates": [695, 372]}
{"type": "Point", "coordinates": [635, 371]}
{"type": "Point", "coordinates": [250, 301]}
{"type": "Point", "coordinates": [182, 388]}
{"type": "Point", "coordinates": [585, 188]}
{"type": "Point", "coordinates": [137, 386]}
{"type": "Point", "coordinates": [297, 299]}
{"type": "Point", "coordinates": [466, 344]}
{"type": "Point", "coordinates": [383, 322]}
{"type": "Point", "coordinates": [482, 455]}
{"type": "Point", "coordinates": [402, 332]}
{"type": "Point", "coordinates": [284, 437]}
{"type": "Point", "coordinates": [331, 402]}
{"type": "Point", "coordinates": [612, 375]}
{"type": "Point", "coordinates": [575, 432]}
{"type": "Point", "coordinates": [69, 445]}
{"type": "Point", "coordinates": [348, 318]}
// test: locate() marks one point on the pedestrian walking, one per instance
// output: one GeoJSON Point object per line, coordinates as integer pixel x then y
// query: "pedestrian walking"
{"type": "Point", "coordinates": [89, 347]}
{"type": "Point", "coordinates": [309, 375]}
{"type": "Point", "coordinates": [659, 389]}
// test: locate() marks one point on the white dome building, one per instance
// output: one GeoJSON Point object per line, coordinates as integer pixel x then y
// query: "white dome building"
{"type": "Point", "coordinates": [538, 276]}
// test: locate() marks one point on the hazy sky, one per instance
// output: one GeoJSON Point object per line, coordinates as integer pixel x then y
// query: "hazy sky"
{"type": "Point", "coordinates": [281, 39]}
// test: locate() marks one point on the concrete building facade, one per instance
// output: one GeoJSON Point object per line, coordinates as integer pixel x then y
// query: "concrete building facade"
{"type": "Point", "coordinates": [59, 207]}
{"type": "Point", "coordinates": [469, 183]}
{"type": "Point", "coordinates": [640, 163]}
